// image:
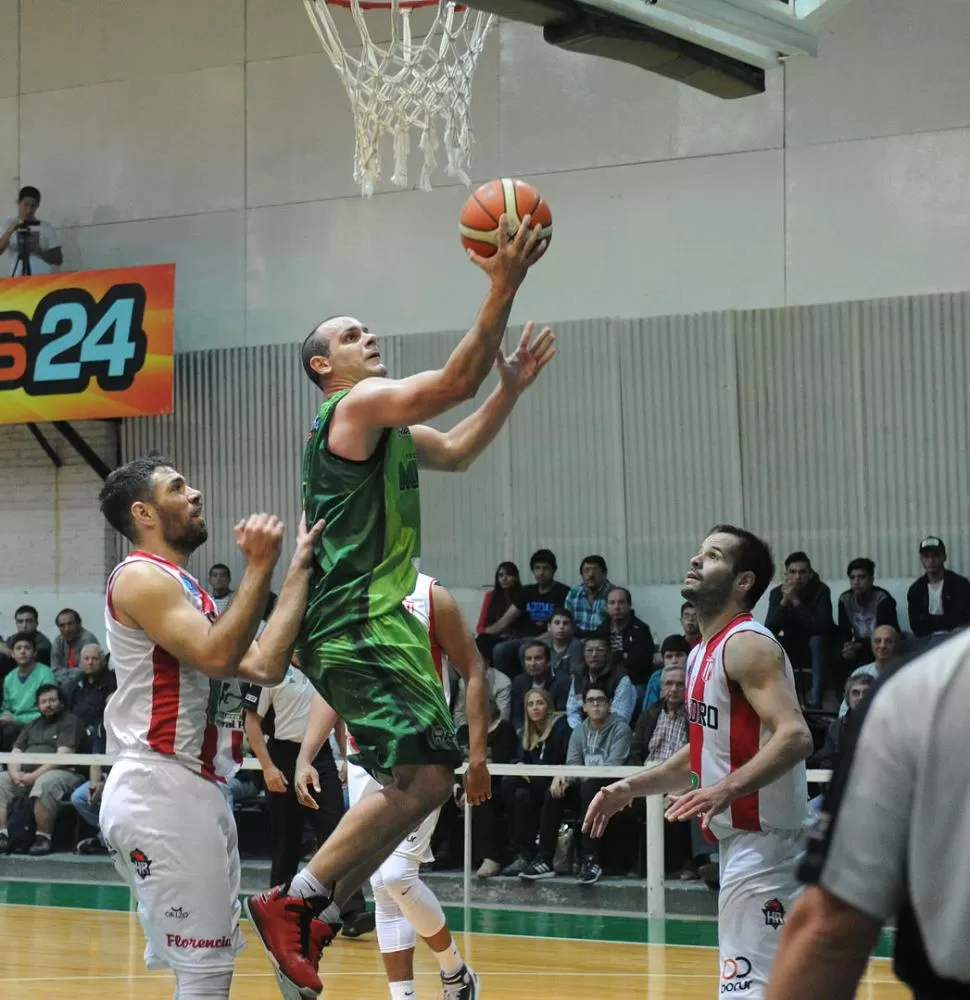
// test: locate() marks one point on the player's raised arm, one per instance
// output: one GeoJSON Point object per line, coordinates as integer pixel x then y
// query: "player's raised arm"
{"type": "Point", "coordinates": [147, 598]}
{"type": "Point", "coordinates": [378, 402]}
{"type": "Point", "coordinates": [756, 663]}
{"type": "Point", "coordinates": [455, 639]}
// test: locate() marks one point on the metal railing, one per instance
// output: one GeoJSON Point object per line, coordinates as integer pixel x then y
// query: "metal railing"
{"type": "Point", "coordinates": [655, 905]}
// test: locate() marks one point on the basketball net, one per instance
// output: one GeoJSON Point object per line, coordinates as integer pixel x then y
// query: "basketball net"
{"type": "Point", "coordinates": [407, 84]}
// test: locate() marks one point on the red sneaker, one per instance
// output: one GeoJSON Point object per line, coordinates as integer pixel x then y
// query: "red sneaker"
{"type": "Point", "coordinates": [292, 937]}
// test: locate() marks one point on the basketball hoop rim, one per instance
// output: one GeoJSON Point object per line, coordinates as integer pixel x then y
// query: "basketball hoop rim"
{"type": "Point", "coordinates": [386, 4]}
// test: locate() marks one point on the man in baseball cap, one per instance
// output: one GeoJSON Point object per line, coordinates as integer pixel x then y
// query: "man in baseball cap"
{"type": "Point", "coordinates": [939, 601]}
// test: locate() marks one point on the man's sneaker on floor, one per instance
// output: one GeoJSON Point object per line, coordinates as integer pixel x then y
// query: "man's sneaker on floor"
{"type": "Point", "coordinates": [539, 869]}
{"type": "Point", "coordinates": [293, 938]}
{"type": "Point", "coordinates": [461, 986]}
{"type": "Point", "coordinates": [711, 875]}
{"type": "Point", "coordinates": [517, 867]}
{"type": "Point", "coordinates": [91, 845]}
{"type": "Point", "coordinates": [589, 872]}
{"type": "Point", "coordinates": [357, 924]}
{"type": "Point", "coordinates": [4, 844]}
{"type": "Point", "coordinates": [40, 847]}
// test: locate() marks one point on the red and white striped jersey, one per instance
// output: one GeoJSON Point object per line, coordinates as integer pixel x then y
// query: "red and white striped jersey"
{"type": "Point", "coordinates": [164, 707]}
{"type": "Point", "coordinates": [726, 732]}
{"type": "Point", "coordinates": [420, 603]}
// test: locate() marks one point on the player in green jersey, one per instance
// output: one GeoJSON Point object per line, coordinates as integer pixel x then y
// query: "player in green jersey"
{"type": "Point", "coordinates": [368, 657]}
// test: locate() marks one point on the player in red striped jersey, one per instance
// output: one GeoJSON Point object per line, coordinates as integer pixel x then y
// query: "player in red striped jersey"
{"type": "Point", "coordinates": [744, 761]}
{"type": "Point", "coordinates": [165, 821]}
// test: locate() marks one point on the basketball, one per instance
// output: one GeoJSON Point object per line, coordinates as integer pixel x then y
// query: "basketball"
{"type": "Point", "coordinates": [478, 222]}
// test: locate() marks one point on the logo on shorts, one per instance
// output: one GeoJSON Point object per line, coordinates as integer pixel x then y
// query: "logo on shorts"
{"type": "Point", "coordinates": [177, 941]}
{"type": "Point", "coordinates": [439, 738]}
{"type": "Point", "coordinates": [734, 975]}
{"type": "Point", "coordinates": [141, 862]}
{"type": "Point", "coordinates": [774, 913]}
{"type": "Point", "coordinates": [176, 913]}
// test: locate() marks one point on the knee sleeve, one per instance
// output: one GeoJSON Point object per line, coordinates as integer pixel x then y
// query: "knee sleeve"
{"type": "Point", "coordinates": [415, 900]}
{"type": "Point", "coordinates": [394, 932]}
{"type": "Point", "coordinates": [202, 985]}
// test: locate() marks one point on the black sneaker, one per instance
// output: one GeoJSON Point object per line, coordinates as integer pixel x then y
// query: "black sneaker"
{"type": "Point", "coordinates": [517, 867]}
{"type": "Point", "coordinates": [539, 869]}
{"type": "Point", "coordinates": [462, 986]}
{"type": "Point", "coordinates": [40, 847]}
{"type": "Point", "coordinates": [356, 924]}
{"type": "Point", "coordinates": [589, 872]}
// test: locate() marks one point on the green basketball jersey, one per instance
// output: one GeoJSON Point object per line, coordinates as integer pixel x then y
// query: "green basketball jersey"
{"type": "Point", "coordinates": [367, 561]}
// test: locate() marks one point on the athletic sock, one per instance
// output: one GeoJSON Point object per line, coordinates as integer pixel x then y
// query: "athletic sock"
{"type": "Point", "coordinates": [450, 960]}
{"type": "Point", "coordinates": [403, 990]}
{"type": "Point", "coordinates": [306, 886]}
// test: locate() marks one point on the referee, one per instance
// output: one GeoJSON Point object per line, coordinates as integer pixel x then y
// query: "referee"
{"type": "Point", "coordinates": [892, 840]}
{"type": "Point", "coordinates": [286, 707]}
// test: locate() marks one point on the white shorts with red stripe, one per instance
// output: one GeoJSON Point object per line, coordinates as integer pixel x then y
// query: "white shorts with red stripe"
{"type": "Point", "coordinates": [416, 846]}
{"type": "Point", "coordinates": [173, 839]}
{"type": "Point", "coordinates": [758, 887]}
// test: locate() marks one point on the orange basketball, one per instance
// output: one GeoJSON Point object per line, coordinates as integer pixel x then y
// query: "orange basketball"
{"type": "Point", "coordinates": [478, 223]}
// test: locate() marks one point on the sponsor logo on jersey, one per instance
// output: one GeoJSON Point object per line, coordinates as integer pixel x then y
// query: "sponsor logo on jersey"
{"type": "Point", "coordinates": [176, 913]}
{"type": "Point", "coordinates": [774, 913]}
{"type": "Point", "coordinates": [177, 941]}
{"type": "Point", "coordinates": [735, 973]}
{"type": "Point", "coordinates": [141, 862]}
{"type": "Point", "coordinates": [702, 714]}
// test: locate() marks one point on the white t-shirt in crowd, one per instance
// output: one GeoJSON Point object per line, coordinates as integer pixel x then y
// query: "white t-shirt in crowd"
{"type": "Point", "coordinates": [43, 237]}
{"type": "Point", "coordinates": [936, 597]}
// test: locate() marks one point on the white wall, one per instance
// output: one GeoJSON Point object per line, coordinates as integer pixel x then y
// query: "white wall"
{"type": "Point", "coordinates": [216, 134]}
{"type": "Point", "coordinates": [54, 545]}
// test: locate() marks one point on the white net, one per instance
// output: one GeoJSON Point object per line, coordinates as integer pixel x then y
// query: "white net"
{"type": "Point", "coordinates": [420, 84]}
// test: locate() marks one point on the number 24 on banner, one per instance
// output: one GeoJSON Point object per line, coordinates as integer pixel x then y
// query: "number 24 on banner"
{"type": "Point", "coordinates": [71, 339]}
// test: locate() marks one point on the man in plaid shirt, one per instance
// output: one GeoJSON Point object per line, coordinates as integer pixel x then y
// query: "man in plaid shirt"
{"type": "Point", "coordinates": [587, 600]}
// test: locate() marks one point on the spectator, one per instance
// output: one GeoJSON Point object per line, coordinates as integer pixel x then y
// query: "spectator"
{"type": "Point", "coordinates": [20, 689]}
{"type": "Point", "coordinates": [26, 620]}
{"type": "Point", "coordinates": [800, 615]}
{"type": "Point", "coordinates": [856, 687]}
{"type": "Point", "coordinates": [688, 622]}
{"type": "Point", "coordinates": [536, 660]}
{"type": "Point", "coordinates": [603, 740]}
{"type": "Point", "coordinates": [219, 587]}
{"type": "Point", "coordinates": [66, 649]}
{"type": "Point", "coordinates": [86, 799]}
{"type": "Point", "coordinates": [661, 731]}
{"type": "Point", "coordinates": [88, 693]}
{"type": "Point", "coordinates": [861, 608]}
{"type": "Point", "coordinates": [674, 651]}
{"type": "Point", "coordinates": [566, 649]}
{"type": "Point", "coordinates": [487, 843]}
{"type": "Point", "coordinates": [545, 740]}
{"type": "Point", "coordinates": [610, 676]}
{"type": "Point", "coordinates": [631, 641]}
{"type": "Point", "coordinates": [939, 601]}
{"type": "Point", "coordinates": [28, 245]}
{"type": "Point", "coordinates": [885, 644]}
{"type": "Point", "coordinates": [501, 616]}
{"type": "Point", "coordinates": [499, 691]}
{"type": "Point", "coordinates": [541, 600]}
{"type": "Point", "coordinates": [587, 600]}
{"type": "Point", "coordinates": [54, 731]}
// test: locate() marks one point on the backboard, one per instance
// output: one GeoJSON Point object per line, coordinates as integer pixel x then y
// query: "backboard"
{"type": "Point", "coordinates": [722, 47]}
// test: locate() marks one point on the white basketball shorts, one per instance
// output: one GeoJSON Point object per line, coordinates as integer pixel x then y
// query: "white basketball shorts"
{"type": "Point", "coordinates": [417, 844]}
{"type": "Point", "coordinates": [758, 887]}
{"type": "Point", "coordinates": [173, 839]}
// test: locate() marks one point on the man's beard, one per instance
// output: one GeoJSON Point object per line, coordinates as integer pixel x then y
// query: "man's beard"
{"type": "Point", "coordinates": [186, 538]}
{"type": "Point", "coordinates": [709, 598]}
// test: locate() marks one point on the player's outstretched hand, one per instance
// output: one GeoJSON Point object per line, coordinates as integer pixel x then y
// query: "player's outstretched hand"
{"type": "Point", "coordinates": [304, 779]}
{"type": "Point", "coordinates": [260, 539]}
{"type": "Point", "coordinates": [521, 368]}
{"type": "Point", "coordinates": [606, 804]}
{"type": "Point", "coordinates": [510, 263]}
{"type": "Point", "coordinates": [306, 539]}
{"type": "Point", "coordinates": [705, 803]}
{"type": "Point", "coordinates": [478, 783]}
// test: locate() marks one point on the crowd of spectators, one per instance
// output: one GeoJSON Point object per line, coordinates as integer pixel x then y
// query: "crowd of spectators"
{"type": "Point", "coordinates": [575, 677]}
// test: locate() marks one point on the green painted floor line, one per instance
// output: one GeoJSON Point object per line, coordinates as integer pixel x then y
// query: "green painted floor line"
{"type": "Point", "coordinates": [510, 922]}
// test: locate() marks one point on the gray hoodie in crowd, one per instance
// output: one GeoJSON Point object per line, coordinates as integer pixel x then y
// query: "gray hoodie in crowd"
{"type": "Point", "coordinates": [608, 746]}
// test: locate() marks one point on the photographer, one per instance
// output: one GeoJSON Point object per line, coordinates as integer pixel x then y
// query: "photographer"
{"type": "Point", "coordinates": [28, 245]}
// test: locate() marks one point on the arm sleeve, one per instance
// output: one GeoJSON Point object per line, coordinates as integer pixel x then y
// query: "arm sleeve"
{"type": "Point", "coordinates": [483, 614]}
{"type": "Point", "coordinates": [619, 748]}
{"type": "Point", "coordinates": [857, 849]}
{"type": "Point", "coordinates": [886, 613]}
{"type": "Point", "coordinates": [20, 743]}
{"type": "Point", "coordinates": [574, 753]}
{"type": "Point", "coordinates": [773, 619]}
{"type": "Point", "coordinates": [503, 696]}
{"type": "Point", "coordinates": [916, 623]}
{"type": "Point", "coordinates": [572, 708]}
{"type": "Point", "coordinates": [624, 700]}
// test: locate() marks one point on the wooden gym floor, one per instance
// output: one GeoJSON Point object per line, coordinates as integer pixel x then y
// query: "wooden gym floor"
{"type": "Point", "coordinates": [82, 941]}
